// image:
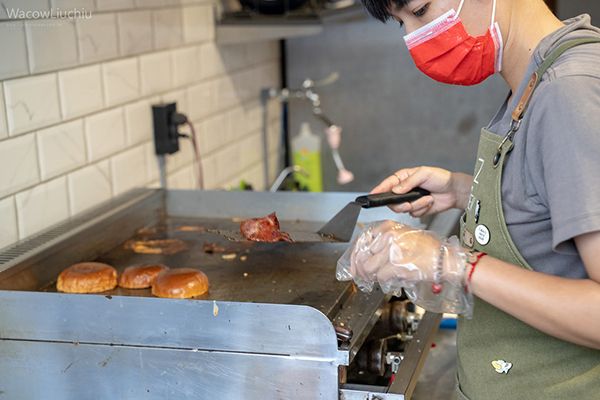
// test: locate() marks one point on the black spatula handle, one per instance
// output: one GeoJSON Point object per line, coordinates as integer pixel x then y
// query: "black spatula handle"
{"type": "Point", "coordinates": [384, 199]}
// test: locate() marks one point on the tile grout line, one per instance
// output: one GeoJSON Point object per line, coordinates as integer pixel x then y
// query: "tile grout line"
{"type": "Point", "coordinates": [89, 161]}
{"type": "Point", "coordinates": [109, 157]}
{"type": "Point", "coordinates": [225, 73]}
{"type": "Point", "coordinates": [147, 179]}
{"type": "Point", "coordinates": [122, 56]}
{"type": "Point", "coordinates": [142, 98]}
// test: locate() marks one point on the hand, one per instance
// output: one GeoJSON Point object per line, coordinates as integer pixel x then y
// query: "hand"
{"type": "Point", "coordinates": [448, 189]}
{"type": "Point", "coordinates": [382, 247]}
{"type": "Point", "coordinates": [431, 271]}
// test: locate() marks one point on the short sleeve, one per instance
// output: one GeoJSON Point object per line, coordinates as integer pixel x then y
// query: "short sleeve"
{"type": "Point", "coordinates": [565, 119]}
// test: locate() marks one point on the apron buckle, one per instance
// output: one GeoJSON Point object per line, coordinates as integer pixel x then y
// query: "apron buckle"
{"type": "Point", "coordinates": [514, 127]}
{"type": "Point", "coordinates": [468, 239]}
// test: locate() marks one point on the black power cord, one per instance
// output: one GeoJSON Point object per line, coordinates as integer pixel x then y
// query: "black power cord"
{"type": "Point", "coordinates": [181, 119]}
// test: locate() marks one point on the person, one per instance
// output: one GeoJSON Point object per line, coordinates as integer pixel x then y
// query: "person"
{"type": "Point", "coordinates": [528, 263]}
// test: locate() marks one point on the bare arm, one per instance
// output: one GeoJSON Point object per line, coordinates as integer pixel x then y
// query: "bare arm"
{"type": "Point", "coordinates": [568, 309]}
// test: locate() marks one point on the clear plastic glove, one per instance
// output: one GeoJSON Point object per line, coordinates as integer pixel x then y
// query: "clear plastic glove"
{"type": "Point", "coordinates": [431, 271]}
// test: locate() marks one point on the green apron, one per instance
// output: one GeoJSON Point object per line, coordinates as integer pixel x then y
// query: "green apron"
{"type": "Point", "coordinates": [500, 357]}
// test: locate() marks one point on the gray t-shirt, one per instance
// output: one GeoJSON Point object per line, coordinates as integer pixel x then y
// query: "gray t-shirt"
{"type": "Point", "coordinates": [551, 181]}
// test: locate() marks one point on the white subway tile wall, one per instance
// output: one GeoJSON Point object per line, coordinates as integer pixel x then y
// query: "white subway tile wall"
{"type": "Point", "coordinates": [182, 179]}
{"type": "Point", "coordinates": [19, 164]}
{"type": "Point", "coordinates": [87, 5]}
{"type": "Point", "coordinates": [121, 81]}
{"type": "Point", "coordinates": [42, 206]}
{"type": "Point", "coordinates": [89, 186]}
{"type": "Point", "coordinates": [3, 130]}
{"type": "Point", "coordinates": [80, 91]}
{"type": "Point", "coordinates": [151, 162]}
{"type": "Point", "coordinates": [114, 4]}
{"type": "Point", "coordinates": [105, 133]}
{"type": "Point", "coordinates": [128, 170]}
{"type": "Point", "coordinates": [61, 148]}
{"type": "Point", "coordinates": [198, 24]}
{"type": "Point", "coordinates": [9, 6]}
{"type": "Point", "coordinates": [155, 71]}
{"type": "Point", "coordinates": [97, 37]}
{"type": "Point", "coordinates": [52, 44]}
{"type": "Point", "coordinates": [135, 32]}
{"type": "Point", "coordinates": [31, 102]}
{"type": "Point", "coordinates": [167, 28]}
{"type": "Point", "coordinates": [76, 97]}
{"type": "Point", "coordinates": [138, 122]}
{"type": "Point", "coordinates": [8, 221]}
{"type": "Point", "coordinates": [204, 98]}
{"type": "Point", "coordinates": [186, 65]}
{"type": "Point", "coordinates": [12, 41]}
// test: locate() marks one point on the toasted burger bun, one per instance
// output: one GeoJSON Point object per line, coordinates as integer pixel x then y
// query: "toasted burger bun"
{"type": "Point", "coordinates": [180, 283]}
{"type": "Point", "coordinates": [140, 276]}
{"type": "Point", "coordinates": [87, 277]}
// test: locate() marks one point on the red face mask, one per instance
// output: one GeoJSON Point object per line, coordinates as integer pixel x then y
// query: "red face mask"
{"type": "Point", "coordinates": [444, 51]}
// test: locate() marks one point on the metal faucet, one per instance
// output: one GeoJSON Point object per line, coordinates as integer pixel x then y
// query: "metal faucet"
{"type": "Point", "coordinates": [284, 174]}
{"type": "Point", "coordinates": [306, 92]}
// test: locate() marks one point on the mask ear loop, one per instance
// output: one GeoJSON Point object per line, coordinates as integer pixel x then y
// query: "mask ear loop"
{"type": "Point", "coordinates": [493, 15]}
{"type": "Point", "coordinates": [494, 27]}
{"type": "Point", "coordinates": [462, 3]}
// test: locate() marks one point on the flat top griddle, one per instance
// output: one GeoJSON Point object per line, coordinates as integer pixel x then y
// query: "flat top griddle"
{"type": "Point", "coordinates": [299, 273]}
{"type": "Point", "coordinates": [45, 334]}
{"type": "Point", "coordinates": [302, 272]}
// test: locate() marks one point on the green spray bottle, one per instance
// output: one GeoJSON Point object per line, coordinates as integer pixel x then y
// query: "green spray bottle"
{"type": "Point", "coordinates": [306, 153]}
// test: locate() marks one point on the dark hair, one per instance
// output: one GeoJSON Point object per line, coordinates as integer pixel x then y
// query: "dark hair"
{"type": "Point", "coordinates": [380, 9]}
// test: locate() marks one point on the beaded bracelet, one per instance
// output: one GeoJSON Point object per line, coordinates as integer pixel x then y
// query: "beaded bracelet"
{"type": "Point", "coordinates": [437, 285]}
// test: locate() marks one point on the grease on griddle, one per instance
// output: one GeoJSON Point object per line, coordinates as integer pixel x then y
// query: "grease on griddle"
{"type": "Point", "coordinates": [212, 248]}
{"type": "Point", "coordinates": [150, 230]}
{"type": "Point", "coordinates": [226, 234]}
{"type": "Point", "coordinates": [191, 228]}
{"type": "Point", "coordinates": [156, 246]}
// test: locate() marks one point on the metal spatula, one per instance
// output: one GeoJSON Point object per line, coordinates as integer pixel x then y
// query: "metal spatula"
{"type": "Point", "coordinates": [341, 226]}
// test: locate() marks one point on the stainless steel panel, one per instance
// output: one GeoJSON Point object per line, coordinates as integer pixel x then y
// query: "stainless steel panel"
{"type": "Point", "coordinates": [297, 331]}
{"type": "Point", "coordinates": [43, 370]}
{"type": "Point", "coordinates": [365, 394]}
{"type": "Point", "coordinates": [360, 313]}
{"type": "Point", "coordinates": [415, 355]}
{"type": "Point", "coordinates": [90, 346]}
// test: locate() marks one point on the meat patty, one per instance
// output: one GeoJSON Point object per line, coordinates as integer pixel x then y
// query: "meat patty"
{"type": "Point", "coordinates": [264, 229]}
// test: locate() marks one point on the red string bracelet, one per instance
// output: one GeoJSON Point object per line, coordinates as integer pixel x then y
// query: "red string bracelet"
{"type": "Point", "coordinates": [474, 265]}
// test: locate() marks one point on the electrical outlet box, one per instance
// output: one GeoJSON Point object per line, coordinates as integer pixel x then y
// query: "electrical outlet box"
{"type": "Point", "coordinates": [166, 136]}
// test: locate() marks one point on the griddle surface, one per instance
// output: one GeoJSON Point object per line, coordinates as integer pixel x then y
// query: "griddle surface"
{"type": "Point", "coordinates": [283, 273]}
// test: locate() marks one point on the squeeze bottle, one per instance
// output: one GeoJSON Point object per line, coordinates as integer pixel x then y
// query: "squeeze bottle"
{"type": "Point", "coordinates": [306, 153]}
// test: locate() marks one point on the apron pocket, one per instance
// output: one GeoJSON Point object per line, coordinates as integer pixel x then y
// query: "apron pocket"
{"type": "Point", "coordinates": [459, 393]}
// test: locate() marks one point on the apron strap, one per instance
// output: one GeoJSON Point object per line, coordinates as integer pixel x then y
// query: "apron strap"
{"type": "Point", "coordinates": [536, 78]}
{"type": "Point", "coordinates": [534, 81]}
